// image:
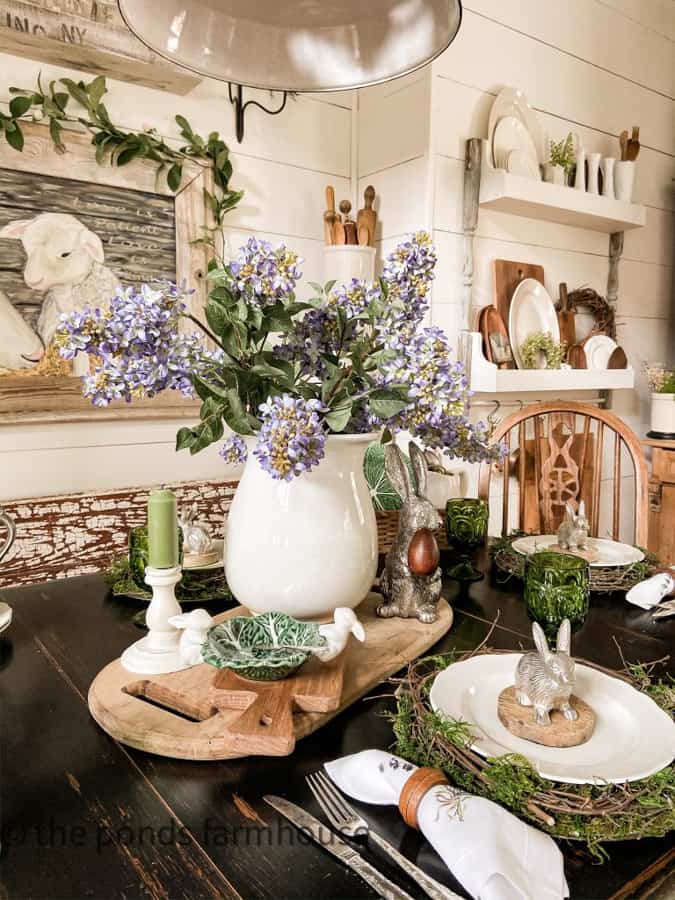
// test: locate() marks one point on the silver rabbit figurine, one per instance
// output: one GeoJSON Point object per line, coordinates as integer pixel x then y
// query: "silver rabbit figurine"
{"type": "Point", "coordinates": [545, 679]}
{"type": "Point", "coordinates": [573, 532]}
{"type": "Point", "coordinates": [405, 594]}
{"type": "Point", "coordinates": [196, 537]}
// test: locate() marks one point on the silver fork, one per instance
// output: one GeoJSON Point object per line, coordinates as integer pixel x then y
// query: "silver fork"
{"type": "Point", "coordinates": [347, 821]}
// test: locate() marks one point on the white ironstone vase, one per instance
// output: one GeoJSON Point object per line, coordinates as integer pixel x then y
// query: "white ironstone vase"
{"type": "Point", "coordinates": [306, 546]}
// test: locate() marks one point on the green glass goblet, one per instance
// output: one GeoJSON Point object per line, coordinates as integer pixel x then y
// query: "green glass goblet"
{"type": "Point", "coordinates": [466, 524]}
{"type": "Point", "coordinates": [556, 588]}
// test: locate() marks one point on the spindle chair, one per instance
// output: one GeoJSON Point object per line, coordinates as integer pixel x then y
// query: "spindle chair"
{"type": "Point", "coordinates": [557, 452]}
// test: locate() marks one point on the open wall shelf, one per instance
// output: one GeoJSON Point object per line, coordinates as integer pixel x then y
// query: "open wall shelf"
{"type": "Point", "coordinates": [554, 203]}
{"type": "Point", "coordinates": [485, 378]}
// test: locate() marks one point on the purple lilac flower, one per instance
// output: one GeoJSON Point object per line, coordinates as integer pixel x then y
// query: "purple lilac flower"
{"type": "Point", "coordinates": [265, 274]}
{"type": "Point", "coordinates": [408, 272]}
{"type": "Point", "coordinates": [438, 392]}
{"type": "Point", "coordinates": [138, 345]}
{"type": "Point", "coordinates": [234, 450]}
{"type": "Point", "coordinates": [291, 439]}
{"type": "Point", "coordinates": [353, 298]}
{"type": "Point", "coordinates": [315, 335]}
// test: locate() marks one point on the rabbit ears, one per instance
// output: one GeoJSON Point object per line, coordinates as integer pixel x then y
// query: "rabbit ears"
{"type": "Point", "coordinates": [399, 475]}
{"type": "Point", "coordinates": [571, 514]}
{"type": "Point", "coordinates": [563, 640]}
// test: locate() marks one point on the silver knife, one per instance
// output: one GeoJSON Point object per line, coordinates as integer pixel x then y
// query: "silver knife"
{"type": "Point", "coordinates": [327, 839]}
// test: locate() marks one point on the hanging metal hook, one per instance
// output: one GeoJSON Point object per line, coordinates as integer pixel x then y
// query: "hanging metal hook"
{"type": "Point", "coordinates": [237, 100]}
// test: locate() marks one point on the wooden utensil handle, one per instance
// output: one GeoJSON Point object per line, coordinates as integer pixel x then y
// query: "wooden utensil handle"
{"type": "Point", "coordinates": [330, 198]}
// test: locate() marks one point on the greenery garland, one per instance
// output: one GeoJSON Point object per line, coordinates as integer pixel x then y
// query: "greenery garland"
{"type": "Point", "coordinates": [542, 342]}
{"type": "Point", "coordinates": [118, 147]}
{"type": "Point", "coordinates": [592, 814]}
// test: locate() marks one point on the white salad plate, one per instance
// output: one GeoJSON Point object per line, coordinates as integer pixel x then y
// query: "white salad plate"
{"type": "Point", "coordinates": [5, 616]}
{"type": "Point", "coordinates": [519, 163]}
{"type": "Point", "coordinates": [512, 102]}
{"type": "Point", "coordinates": [510, 134]}
{"type": "Point", "coordinates": [531, 310]}
{"type": "Point", "coordinates": [633, 738]}
{"type": "Point", "coordinates": [598, 349]}
{"type": "Point", "coordinates": [610, 553]}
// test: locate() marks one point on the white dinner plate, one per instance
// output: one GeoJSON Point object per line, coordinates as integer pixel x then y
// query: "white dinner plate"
{"type": "Point", "coordinates": [510, 134]}
{"type": "Point", "coordinates": [633, 737]}
{"type": "Point", "coordinates": [598, 349]}
{"type": "Point", "coordinates": [519, 163]}
{"type": "Point", "coordinates": [5, 616]}
{"type": "Point", "coordinates": [610, 553]}
{"type": "Point", "coordinates": [512, 102]}
{"type": "Point", "coordinates": [531, 310]}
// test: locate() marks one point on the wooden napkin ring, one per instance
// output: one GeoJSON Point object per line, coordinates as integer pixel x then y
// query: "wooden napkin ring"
{"type": "Point", "coordinates": [416, 787]}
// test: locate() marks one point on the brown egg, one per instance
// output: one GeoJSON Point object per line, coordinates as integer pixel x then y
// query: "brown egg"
{"type": "Point", "coordinates": [423, 553]}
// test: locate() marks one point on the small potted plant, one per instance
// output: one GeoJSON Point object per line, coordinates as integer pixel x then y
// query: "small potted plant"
{"type": "Point", "coordinates": [561, 161]}
{"type": "Point", "coordinates": [662, 383]}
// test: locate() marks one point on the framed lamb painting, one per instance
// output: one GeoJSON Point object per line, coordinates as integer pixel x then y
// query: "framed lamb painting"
{"type": "Point", "coordinates": [71, 232]}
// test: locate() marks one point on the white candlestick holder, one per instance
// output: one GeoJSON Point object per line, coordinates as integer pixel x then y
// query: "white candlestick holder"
{"type": "Point", "coordinates": [157, 653]}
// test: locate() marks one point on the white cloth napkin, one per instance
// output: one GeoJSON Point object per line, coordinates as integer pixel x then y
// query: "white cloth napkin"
{"type": "Point", "coordinates": [493, 855]}
{"type": "Point", "coordinates": [649, 593]}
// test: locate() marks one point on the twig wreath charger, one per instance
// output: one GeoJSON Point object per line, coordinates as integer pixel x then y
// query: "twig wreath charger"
{"type": "Point", "coordinates": [540, 342]}
{"type": "Point", "coordinates": [305, 386]}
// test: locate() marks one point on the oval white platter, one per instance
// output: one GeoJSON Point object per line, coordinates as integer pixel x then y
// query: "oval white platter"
{"type": "Point", "coordinates": [5, 616]}
{"type": "Point", "coordinates": [512, 102]}
{"type": "Point", "coordinates": [598, 349]}
{"type": "Point", "coordinates": [518, 163]}
{"type": "Point", "coordinates": [611, 553]}
{"type": "Point", "coordinates": [511, 134]}
{"type": "Point", "coordinates": [531, 310]}
{"type": "Point", "coordinates": [633, 737]}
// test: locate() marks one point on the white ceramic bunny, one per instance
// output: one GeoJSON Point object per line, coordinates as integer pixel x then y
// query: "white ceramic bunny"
{"type": "Point", "coordinates": [406, 594]}
{"type": "Point", "coordinates": [337, 633]}
{"type": "Point", "coordinates": [545, 679]}
{"type": "Point", "coordinates": [195, 625]}
{"type": "Point", "coordinates": [573, 533]}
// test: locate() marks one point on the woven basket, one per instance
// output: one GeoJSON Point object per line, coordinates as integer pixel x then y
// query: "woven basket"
{"type": "Point", "coordinates": [387, 529]}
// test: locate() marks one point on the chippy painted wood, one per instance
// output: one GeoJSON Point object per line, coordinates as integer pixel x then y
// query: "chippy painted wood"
{"type": "Point", "coordinates": [80, 533]}
{"type": "Point", "coordinates": [212, 732]}
{"type": "Point", "coordinates": [137, 228]}
{"type": "Point", "coordinates": [90, 36]}
{"type": "Point", "coordinates": [27, 398]}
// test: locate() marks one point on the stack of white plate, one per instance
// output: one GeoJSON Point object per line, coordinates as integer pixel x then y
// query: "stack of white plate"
{"type": "Point", "coordinates": [515, 136]}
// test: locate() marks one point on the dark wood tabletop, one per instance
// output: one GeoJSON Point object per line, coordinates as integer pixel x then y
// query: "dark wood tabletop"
{"type": "Point", "coordinates": [83, 816]}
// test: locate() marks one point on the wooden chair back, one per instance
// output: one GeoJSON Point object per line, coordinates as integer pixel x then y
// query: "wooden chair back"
{"type": "Point", "coordinates": [560, 452]}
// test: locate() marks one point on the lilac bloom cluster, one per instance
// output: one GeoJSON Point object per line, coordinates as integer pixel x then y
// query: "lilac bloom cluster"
{"type": "Point", "coordinates": [265, 274]}
{"type": "Point", "coordinates": [234, 450]}
{"type": "Point", "coordinates": [353, 298]}
{"type": "Point", "coordinates": [291, 439]}
{"type": "Point", "coordinates": [408, 273]}
{"type": "Point", "coordinates": [438, 392]}
{"type": "Point", "coordinates": [137, 345]}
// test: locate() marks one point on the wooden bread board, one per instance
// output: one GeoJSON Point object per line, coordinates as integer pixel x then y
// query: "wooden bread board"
{"type": "Point", "coordinates": [206, 713]}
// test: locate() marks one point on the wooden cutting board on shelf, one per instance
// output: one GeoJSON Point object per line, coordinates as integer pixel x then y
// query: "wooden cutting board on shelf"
{"type": "Point", "coordinates": [208, 714]}
{"type": "Point", "coordinates": [507, 277]}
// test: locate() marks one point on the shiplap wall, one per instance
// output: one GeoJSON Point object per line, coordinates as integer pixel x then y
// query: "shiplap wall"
{"type": "Point", "coordinates": [283, 165]}
{"type": "Point", "coordinates": [593, 67]}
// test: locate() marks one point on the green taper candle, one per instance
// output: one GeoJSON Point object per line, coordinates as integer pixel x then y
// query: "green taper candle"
{"type": "Point", "coordinates": [162, 530]}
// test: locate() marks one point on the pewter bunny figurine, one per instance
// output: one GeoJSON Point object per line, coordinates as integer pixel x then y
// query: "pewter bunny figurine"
{"type": "Point", "coordinates": [196, 537]}
{"type": "Point", "coordinates": [573, 532]}
{"type": "Point", "coordinates": [545, 679]}
{"type": "Point", "coordinates": [405, 594]}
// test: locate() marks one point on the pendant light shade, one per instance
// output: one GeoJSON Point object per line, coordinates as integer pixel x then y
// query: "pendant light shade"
{"type": "Point", "coordinates": [296, 45]}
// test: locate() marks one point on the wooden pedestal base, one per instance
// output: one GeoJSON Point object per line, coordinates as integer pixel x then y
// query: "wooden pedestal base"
{"type": "Point", "coordinates": [561, 732]}
{"type": "Point", "coordinates": [207, 713]}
